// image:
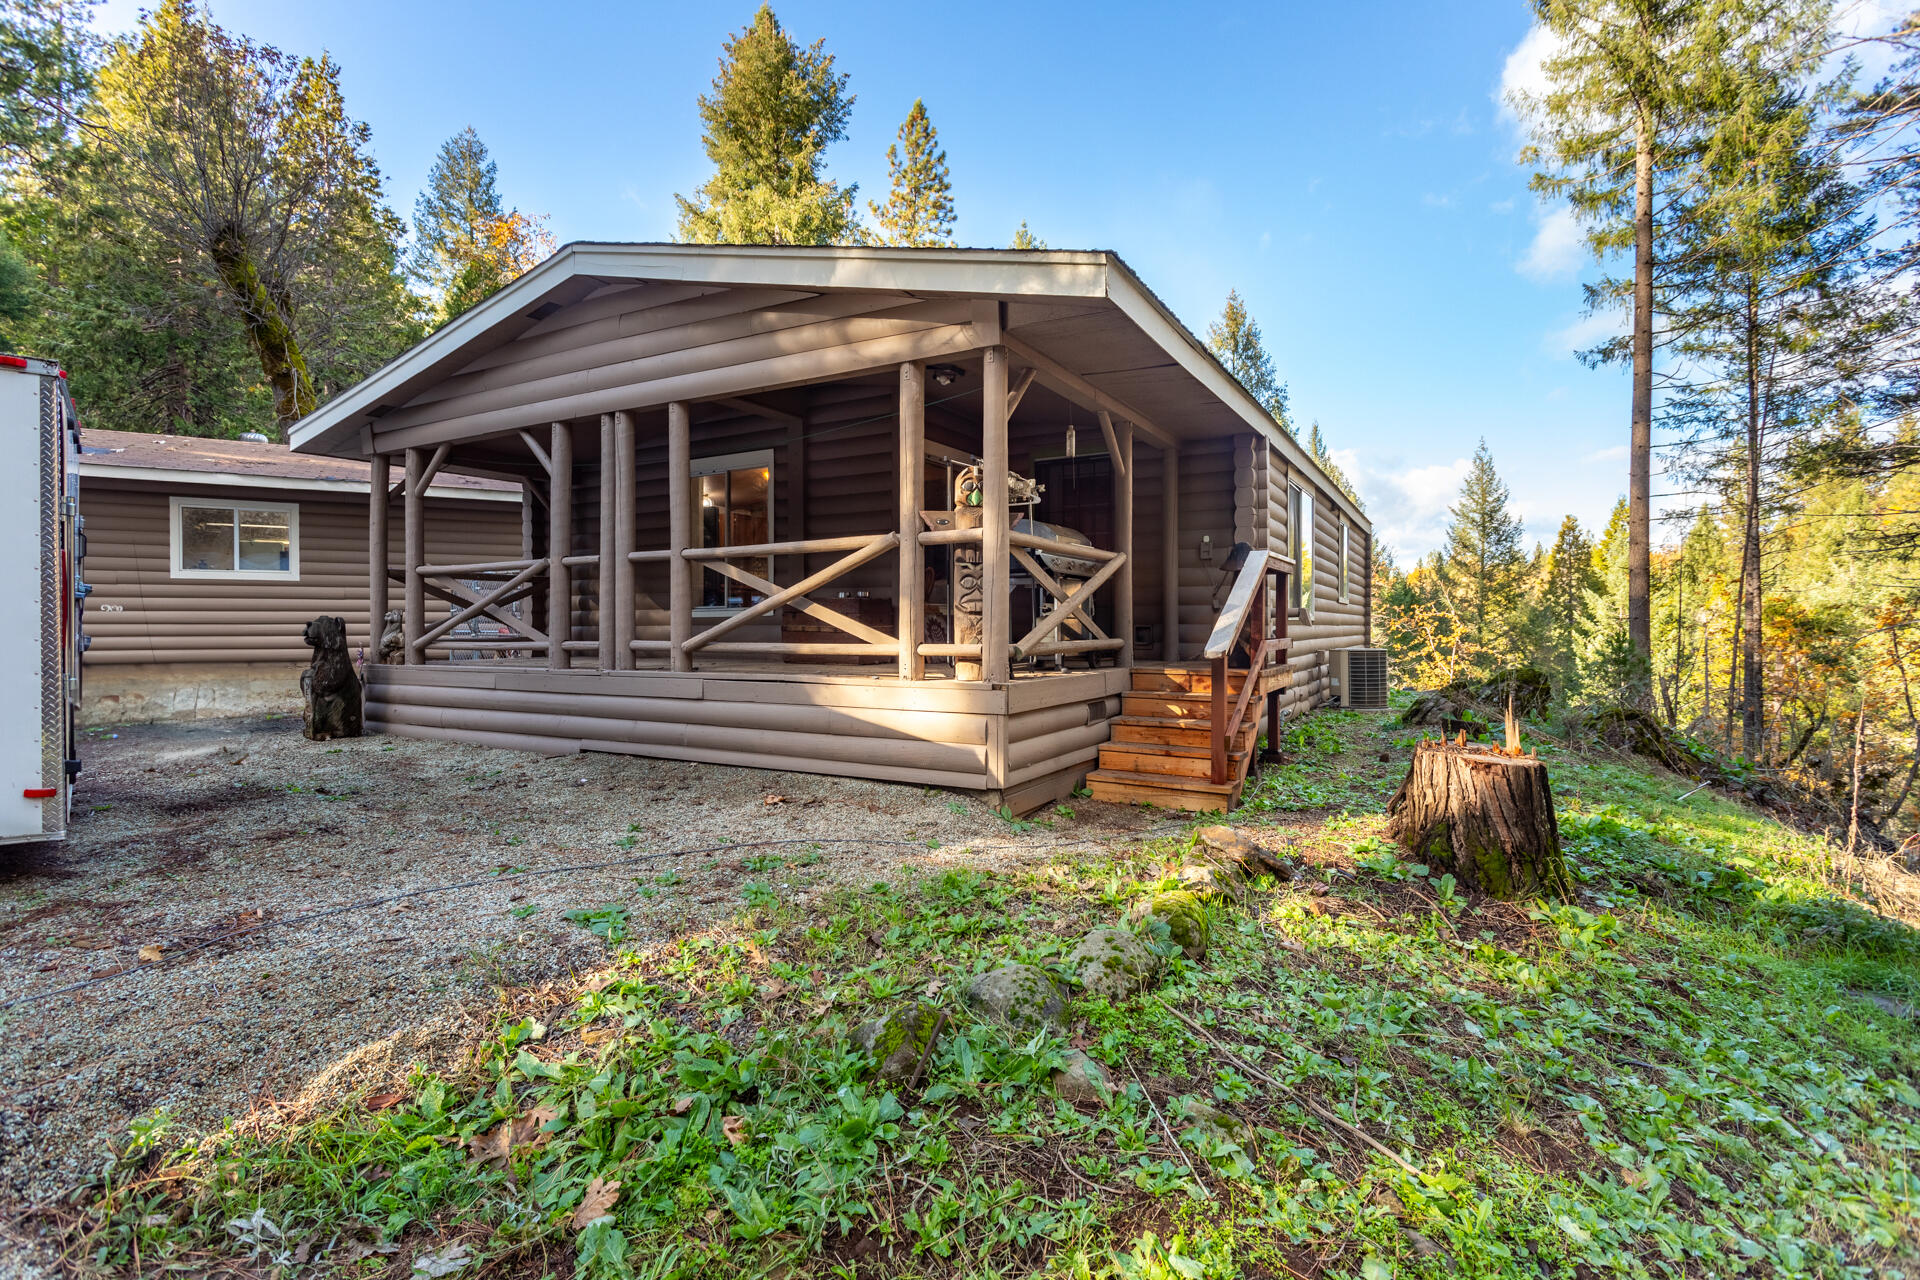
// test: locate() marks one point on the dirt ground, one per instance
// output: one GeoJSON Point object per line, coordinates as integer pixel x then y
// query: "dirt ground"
{"type": "Point", "coordinates": [216, 841]}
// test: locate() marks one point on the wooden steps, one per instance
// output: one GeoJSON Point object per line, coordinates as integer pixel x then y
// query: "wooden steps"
{"type": "Point", "coordinates": [1161, 751]}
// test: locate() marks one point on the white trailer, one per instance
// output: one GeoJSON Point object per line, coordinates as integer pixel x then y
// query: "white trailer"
{"type": "Point", "coordinates": [40, 549]}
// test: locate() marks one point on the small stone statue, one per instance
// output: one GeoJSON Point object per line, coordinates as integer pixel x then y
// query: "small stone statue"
{"type": "Point", "coordinates": [330, 686]}
{"type": "Point", "coordinates": [393, 636]}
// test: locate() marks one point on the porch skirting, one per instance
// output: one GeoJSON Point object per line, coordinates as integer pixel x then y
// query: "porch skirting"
{"type": "Point", "coordinates": [1023, 742]}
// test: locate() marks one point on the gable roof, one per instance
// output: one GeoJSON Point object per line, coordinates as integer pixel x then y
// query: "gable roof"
{"type": "Point", "coordinates": [137, 455]}
{"type": "Point", "coordinates": [1116, 335]}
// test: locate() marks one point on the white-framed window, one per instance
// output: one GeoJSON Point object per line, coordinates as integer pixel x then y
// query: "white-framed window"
{"type": "Point", "coordinates": [233, 541]}
{"type": "Point", "coordinates": [733, 507]}
{"type": "Point", "coordinates": [1346, 559]}
{"type": "Point", "coordinates": [1300, 548]}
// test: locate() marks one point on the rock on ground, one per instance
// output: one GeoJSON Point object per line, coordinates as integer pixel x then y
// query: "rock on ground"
{"type": "Point", "coordinates": [1019, 997]}
{"type": "Point", "coordinates": [898, 1042]}
{"type": "Point", "coordinates": [1181, 911]}
{"type": "Point", "coordinates": [1083, 1080]}
{"type": "Point", "coordinates": [1113, 962]}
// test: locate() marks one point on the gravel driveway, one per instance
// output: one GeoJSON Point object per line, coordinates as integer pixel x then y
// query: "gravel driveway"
{"type": "Point", "coordinates": [189, 834]}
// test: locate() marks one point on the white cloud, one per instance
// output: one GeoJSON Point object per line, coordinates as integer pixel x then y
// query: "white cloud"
{"type": "Point", "coordinates": [1585, 332]}
{"type": "Point", "coordinates": [1409, 504]}
{"type": "Point", "coordinates": [1557, 247]}
{"type": "Point", "coordinates": [1436, 200]}
{"type": "Point", "coordinates": [1523, 76]}
{"type": "Point", "coordinates": [1500, 206]}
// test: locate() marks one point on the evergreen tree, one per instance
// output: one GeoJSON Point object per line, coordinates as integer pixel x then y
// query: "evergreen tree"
{"type": "Point", "coordinates": [1235, 341]}
{"type": "Point", "coordinates": [1616, 130]}
{"type": "Point", "coordinates": [774, 110]}
{"type": "Point", "coordinates": [1483, 567]}
{"type": "Point", "coordinates": [1025, 239]}
{"type": "Point", "coordinates": [1567, 584]}
{"type": "Point", "coordinates": [451, 217]}
{"type": "Point", "coordinates": [466, 245]}
{"type": "Point", "coordinates": [919, 209]}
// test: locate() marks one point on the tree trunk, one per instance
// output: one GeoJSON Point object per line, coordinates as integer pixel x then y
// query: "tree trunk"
{"type": "Point", "coordinates": [1486, 817]}
{"type": "Point", "coordinates": [1753, 689]}
{"type": "Point", "coordinates": [1640, 454]}
{"type": "Point", "coordinates": [268, 329]}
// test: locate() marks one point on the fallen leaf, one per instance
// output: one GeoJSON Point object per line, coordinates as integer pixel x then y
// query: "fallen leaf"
{"type": "Point", "coordinates": [683, 1104]}
{"type": "Point", "coordinates": [755, 956]}
{"type": "Point", "coordinates": [773, 988]}
{"type": "Point", "coordinates": [152, 952]}
{"type": "Point", "coordinates": [735, 1128]}
{"type": "Point", "coordinates": [597, 1203]}
{"type": "Point", "coordinates": [774, 800]}
{"type": "Point", "coordinates": [500, 1142]}
{"type": "Point", "coordinates": [442, 1262]}
{"type": "Point", "coordinates": [598, 1035]}
{"type": "Point", "coordinates": [381, 1101]}
{"type": "Point", "coordinates": [712, 1216]}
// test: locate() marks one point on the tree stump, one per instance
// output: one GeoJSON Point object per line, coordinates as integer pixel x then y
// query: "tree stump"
{"type": "Point", "coordinates": [1485, 816]}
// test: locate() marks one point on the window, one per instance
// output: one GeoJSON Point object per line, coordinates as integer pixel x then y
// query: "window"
{"type": "Point", "coordinates": [214, 539]}
{"type": "Point", "coordinates": [1346, 556]}
{"type": "Point", "coordinates": [1300, 547]}
{"type": "Point", "coordinates": [735, 496]}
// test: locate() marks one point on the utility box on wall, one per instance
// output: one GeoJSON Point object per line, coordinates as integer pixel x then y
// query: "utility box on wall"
{"type": "Point", "coordinates": [1360, 678]}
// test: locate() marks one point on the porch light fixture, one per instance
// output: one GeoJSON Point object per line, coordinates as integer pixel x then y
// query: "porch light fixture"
{"type": "Point", "coordinates": [945, 375]}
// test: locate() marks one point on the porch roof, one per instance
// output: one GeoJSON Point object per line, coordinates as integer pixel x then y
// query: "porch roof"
{"type": "Point", "coordinates": [1084, 311]}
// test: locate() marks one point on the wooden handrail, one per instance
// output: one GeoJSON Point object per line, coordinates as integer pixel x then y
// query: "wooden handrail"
{"type": "Point", "coordinates": [1053, 546]}
{"type": "Point", "coordinates": [806, 546]}
{"type": "Point", "coordinates": [1233, 614]}
{"type": "Point", "coordinates": [470, 570]}
{"type": "Point", "coordinates": [505, 594]}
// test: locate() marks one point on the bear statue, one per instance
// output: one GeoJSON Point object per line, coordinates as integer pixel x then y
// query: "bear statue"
{"type": "Point", "coordinates": [330, 685]}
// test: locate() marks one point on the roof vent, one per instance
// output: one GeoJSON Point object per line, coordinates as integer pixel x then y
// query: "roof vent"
{"type": "Point", "coordinates": [254, 437]}
{"type": "Point", "coordinates": [542, 311]}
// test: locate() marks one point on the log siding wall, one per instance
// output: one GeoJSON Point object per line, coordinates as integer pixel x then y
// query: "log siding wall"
{"type": "Point", "coordinates": [1335, 625]}
{"type": "Point", "coordinates": [151, 617]}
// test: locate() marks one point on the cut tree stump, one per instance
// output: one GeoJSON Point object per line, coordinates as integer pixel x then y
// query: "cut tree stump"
{"type": "Point", "coordinates": [1485, 816]}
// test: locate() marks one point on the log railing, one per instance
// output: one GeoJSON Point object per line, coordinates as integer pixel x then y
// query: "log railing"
{"type": "Point", "coordinates": [1260, 583]}
{"type": "Point", "coordinates": [868, 641]}
{"type": "Point", "coordinates": [1068, 605]}
{"type": "Point", "coordinates": [519, 579]}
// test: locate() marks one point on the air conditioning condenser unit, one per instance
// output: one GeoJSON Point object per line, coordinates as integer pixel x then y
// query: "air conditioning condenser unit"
{"type": "Point", "coordinates": [1360, 678]}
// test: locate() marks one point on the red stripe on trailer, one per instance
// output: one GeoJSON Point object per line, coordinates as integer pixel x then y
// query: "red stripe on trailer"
{"type": "Point", "coordinates": [41, 793]}
{"type": "Point", "coordinates": [13, 362]}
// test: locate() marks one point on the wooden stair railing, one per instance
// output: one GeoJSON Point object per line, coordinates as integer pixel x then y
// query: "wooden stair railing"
{"type": "Point", "coordinates": [1247, 606]}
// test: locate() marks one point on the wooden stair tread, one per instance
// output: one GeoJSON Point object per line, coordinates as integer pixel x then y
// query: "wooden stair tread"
{"type": "Point", "coordinates": [1168, 781]}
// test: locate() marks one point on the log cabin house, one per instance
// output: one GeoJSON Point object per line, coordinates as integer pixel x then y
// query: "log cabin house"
{"type": "Point", "coordinates": [207, 558]}
{"type": "Point", "coordinates": [982, 519]}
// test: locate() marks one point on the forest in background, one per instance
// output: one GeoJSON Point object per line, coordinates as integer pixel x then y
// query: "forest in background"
{"type": "Point", "coordinates": [1750, 193]}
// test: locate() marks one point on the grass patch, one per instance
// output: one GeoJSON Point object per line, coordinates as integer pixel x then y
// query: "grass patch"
{"type": "Point", "coordinates": [1679, 1076]}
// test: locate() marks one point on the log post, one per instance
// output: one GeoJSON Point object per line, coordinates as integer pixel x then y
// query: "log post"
{"type": "Point", "coordinates": [910, 607]}
{"type": "Point", "coordinates": [679, 529]}
{"type": "Point", "coordinates": [996, 547]}
{"type": "Point", "coordinates": [1170, 553]}
{"type": "Point", "coordinates": [624, 517]}
{"type": "Point", "coordinates": [1123, 538]}
{"type": "Point", "coordinates": [609, 522]}
{"type": "Point", "coordinates": [1485, 816]}
{"type": "Point", "coordinates": [377, 555]}
{"type": "Point", "coordinates": [414, 624]}
{"type": "Point", "coordinates": [559, 547]}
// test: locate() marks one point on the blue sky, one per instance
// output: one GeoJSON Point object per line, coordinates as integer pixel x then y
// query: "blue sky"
{"type": "Point", "coordinates": [1347, 168]}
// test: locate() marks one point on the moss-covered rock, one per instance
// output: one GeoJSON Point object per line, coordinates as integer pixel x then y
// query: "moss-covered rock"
{"type": "Point", "coordinates": [1201, 1117]}
{"type": "Point", "coordinates": [1019, 997]}
{"type": "Point", "coordinates": [1083, 1080]}
{"type": "Point", "coordinates": [1112, 962]}
{"type": "Point", "coordinates": [899, 1041]}
{"type": "Point", "coordinates": [1183, 914]}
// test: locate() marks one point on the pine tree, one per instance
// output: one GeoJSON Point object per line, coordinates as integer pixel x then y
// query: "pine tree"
{"type": "Point", "coordinates": [1317, 446]}
{"type": "Point", "coordinates": [1614, 132]}
{"type": "Point", "coordinates": [1025, 239]}
{"type": "Point", "coordinates": [1483, 566]}
{"type": "Point", "coordinates": [774, 110]}
{"type": "Point", "coordinates": [919, 208]}
{"type": "Point", "coordinates": [451, 217]}
{"type": "Point", "coordinates": [1235, 341]}
{"type": "Point", "coordinates": [1567, 583]}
